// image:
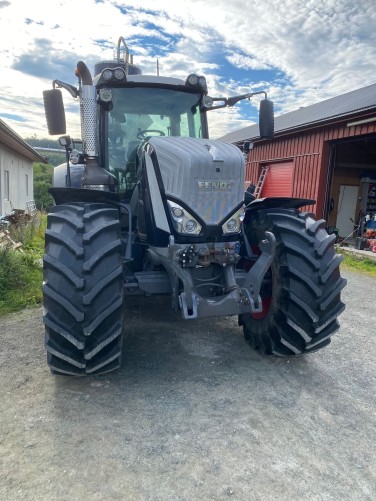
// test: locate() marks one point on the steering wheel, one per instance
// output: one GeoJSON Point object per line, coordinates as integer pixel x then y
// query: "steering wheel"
{"type": "Point", "coordinates": [143, 134]}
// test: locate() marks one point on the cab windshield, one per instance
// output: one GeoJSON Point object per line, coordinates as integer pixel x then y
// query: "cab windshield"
{"type": "Point", "coordinates": [140, 113]}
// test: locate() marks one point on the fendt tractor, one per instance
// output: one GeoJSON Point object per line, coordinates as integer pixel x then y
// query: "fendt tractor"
{"type": "Point", "coordinates": [147, 204]}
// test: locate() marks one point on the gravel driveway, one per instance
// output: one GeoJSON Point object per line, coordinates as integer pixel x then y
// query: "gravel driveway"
{"type": "Point", "coordinates": [193, 414]}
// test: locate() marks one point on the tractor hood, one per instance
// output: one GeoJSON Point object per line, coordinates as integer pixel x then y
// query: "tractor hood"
{"type": "Point", "coordinates": [207, 176]}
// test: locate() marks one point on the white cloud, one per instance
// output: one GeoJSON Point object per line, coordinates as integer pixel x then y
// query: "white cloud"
{"type": "Point", "coordinates": [246, 62]}
{"type": "Point", "coordinates": [321, 48]}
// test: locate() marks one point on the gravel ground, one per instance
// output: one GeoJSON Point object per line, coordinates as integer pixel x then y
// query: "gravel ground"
{"type": "Point", "coordinates": [193, 414]}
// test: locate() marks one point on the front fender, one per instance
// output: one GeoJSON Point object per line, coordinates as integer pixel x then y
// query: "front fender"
{"type": "Point", "coordinates": [278, 202]}
{"type": "Point", "coordinates": [59, 179]}
{"type": "Point", "coordinates": [76, 195]}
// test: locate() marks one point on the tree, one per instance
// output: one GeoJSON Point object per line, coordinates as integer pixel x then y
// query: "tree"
{"type": "Point", "coordinates": [54, 158]}
{"type": "Point", "coordinates": [42, 183]}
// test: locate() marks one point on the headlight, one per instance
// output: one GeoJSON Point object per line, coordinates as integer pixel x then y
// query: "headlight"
{"type": "Point", "coordinates": [192, 79]}
{"type": "Point", "coordinates": [107, 74]}
{"type": "Point", "coordinates": [183, 222]}
{"type": "Point", "coordinates": [119, 73]}
{"type": "Point", "coordinates": [105, 95]}
{"type": "Point", "coordinates": [232, 225]}
{"type": "Point", "coordinates": [202, 83]}
{"type": "Point", "coordinates": [207, 102]}
{"type": "Point", "coordinates": [190, 226]}
{"type": "Point", "coordinates": [111, 74]}
{"type": "Point", "coordinates": [177, 213]}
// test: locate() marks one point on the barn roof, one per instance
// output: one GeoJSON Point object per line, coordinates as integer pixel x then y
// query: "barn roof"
{"type": "Point", "coordinates": [15, 142]}
{"type": "Point", "coordinates": [345, 105]}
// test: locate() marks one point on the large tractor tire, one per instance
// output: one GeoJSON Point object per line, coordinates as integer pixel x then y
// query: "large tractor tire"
{"type": "Point", "coordinates": [83, 289]}
{"type": "Point", "coordinates": [301, 291]}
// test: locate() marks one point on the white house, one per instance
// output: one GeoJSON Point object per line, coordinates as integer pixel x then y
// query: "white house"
{"type": "Point", "coordinates": [16, 170]}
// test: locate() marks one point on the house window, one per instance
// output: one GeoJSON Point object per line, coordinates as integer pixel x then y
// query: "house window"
{"type": "Point", "coordinates": [27, 185]}
{"type": "Point", "coordinates": [6, 184]}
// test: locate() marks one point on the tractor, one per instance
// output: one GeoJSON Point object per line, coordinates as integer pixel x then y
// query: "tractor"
{"type": "Point", "coordinates": [147, 204]}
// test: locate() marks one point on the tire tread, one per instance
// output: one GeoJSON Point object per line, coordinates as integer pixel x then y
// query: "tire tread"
{"type": "Point", "coordinates": [306, 300]}
{"type": "Point", "coordinates": [83, 289]}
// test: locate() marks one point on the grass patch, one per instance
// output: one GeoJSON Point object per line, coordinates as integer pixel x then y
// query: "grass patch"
{"type": "Point", "coordinates": [359, 264]}
{"type": "Point", "coordinates": [20, 281]}
{"type": "Point", "coordinates": [21, 274]}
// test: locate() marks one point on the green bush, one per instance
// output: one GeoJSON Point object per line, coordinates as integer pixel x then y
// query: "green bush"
{"type": "Point", "coordinates": [21, 273]}
{"type": "Point", "coordinates": [31, 235]}
{"type": "Point", "coordinates": [20, 280]}
{"type": "Point", "coordinates": [53, 158]}
{"type": "Point", "coordinates": [42, 183]}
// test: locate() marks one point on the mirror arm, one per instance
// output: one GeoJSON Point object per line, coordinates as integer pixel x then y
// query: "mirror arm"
{"type": "Point", "coordinates": [217, 107]}
{"type": "Point", "coordinates": [223, 99]}
{"type": "Point", "coordinates": [230, 101]}
{"type": "Point", "coordinates": [58, 84]}
{"type": "Point", "coordinates": [233, 100]}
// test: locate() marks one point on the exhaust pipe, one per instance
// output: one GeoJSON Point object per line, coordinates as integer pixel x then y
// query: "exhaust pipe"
{"type": "Point", "coordinates": [88, 111]}
{"type": "Point", "coordinates": [94, 177]}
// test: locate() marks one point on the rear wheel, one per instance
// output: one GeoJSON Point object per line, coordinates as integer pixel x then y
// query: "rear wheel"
{"type": "Point", "coordinates": [83, 289]}
{"type": "Point", "coordinates": [301, 291]}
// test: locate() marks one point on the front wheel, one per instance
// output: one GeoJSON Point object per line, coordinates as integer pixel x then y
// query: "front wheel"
{"type": "Point", "coordinates": [83, 289]}
{"type": "Point", "coordinates": [301, 291]}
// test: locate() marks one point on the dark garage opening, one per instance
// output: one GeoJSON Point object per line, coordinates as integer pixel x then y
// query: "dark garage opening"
{"type": "Point", "coordinates": [352, 199]}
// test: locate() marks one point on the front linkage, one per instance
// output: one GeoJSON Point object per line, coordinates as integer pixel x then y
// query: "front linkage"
{"type": "Point", "coordinates": [242, 289]}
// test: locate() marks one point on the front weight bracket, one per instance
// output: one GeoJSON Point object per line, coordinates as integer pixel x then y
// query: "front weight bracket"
{"type": "Point", "coordinates": [257, 273]}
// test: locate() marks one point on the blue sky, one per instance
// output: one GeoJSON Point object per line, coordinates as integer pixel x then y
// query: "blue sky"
{"type": "Point", "coordinates": [300, 52]}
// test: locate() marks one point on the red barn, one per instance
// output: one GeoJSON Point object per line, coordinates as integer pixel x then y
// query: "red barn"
{"type": "Point", "coordinates": [326, 152]}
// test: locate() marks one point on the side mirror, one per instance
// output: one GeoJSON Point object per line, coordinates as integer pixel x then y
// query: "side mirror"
{"type": "Point", "coordinates": [54, 110]}
{"type": "Point", "coordinates": [266, 119]}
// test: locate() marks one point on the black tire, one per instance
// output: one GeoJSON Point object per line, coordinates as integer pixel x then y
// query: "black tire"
{"type": "Point", "coordinates": [301, 291]}
{"type": "Point", "coordinates": [83, 289]}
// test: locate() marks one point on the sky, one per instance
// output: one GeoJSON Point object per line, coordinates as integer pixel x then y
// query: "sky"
{"type": "Point", "coordinates": [299, 51]}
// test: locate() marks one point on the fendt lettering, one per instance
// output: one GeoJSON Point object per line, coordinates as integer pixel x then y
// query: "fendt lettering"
{"type": "Point", "coordinates": [131, 218]}
{"type": "Point", "coordinates": [214, 185]}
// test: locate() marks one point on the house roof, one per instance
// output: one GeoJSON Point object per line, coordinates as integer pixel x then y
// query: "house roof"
{"type": "Point", "coordinates": [11, 139]}
{"type": "Point", "coordinates": [345, 105]}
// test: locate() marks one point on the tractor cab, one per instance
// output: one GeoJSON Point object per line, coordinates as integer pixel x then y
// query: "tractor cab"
{"type": "Point", "coordinates": [142, 108]}
{"type": "Point", "coordinates": [121, 109]}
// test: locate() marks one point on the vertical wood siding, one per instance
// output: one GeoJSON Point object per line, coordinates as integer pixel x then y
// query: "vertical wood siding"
{"type": "Point", "coordinates": [308, 150]}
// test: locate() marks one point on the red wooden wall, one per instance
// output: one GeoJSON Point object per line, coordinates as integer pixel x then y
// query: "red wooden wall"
{"type": "Point", "coordinates": [309, 151]}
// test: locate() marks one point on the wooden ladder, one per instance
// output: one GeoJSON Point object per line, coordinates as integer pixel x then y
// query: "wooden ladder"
{"type": "Point", "coordinates": [261, 181]}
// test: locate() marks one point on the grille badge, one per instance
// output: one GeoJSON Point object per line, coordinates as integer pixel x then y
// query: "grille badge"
{"type": "Point", "coordinates": [214, 185]}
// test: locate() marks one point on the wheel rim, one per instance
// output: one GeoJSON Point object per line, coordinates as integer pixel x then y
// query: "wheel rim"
{"type": "Point", "coordinates": [266, 304]}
